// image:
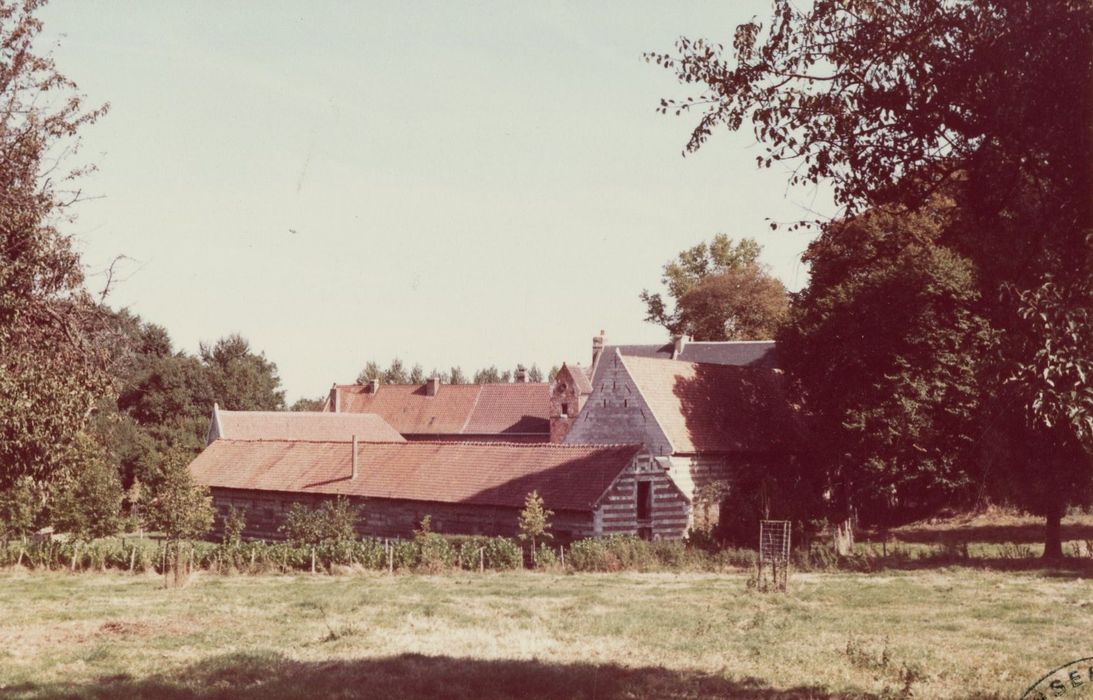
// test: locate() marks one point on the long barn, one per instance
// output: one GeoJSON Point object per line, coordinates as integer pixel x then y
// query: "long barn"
{"type": "Point", "coordinates": [465, 487]}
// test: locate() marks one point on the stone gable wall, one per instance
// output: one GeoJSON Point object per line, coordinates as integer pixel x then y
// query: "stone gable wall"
{"type": "Point", "coordinates": [616, 413]}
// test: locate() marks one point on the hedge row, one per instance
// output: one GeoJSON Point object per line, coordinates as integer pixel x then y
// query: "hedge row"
{"type": "Point", "coordinates": [435, 553]}
{"type": "Point", "coordinates": [428, 553]}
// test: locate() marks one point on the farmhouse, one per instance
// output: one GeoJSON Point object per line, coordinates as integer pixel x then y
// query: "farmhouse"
{"type": "Point", "coordinates": [635, 440]}
{"type": "Point", "coordinates": [702, 421]}
{"type": "Point", "coordinates": [517, 412]}
{"type": "Point", "coordinates": [466, 487]}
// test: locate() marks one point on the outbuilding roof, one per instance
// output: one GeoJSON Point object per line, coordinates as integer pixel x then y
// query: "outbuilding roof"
{"type": "Point", "coordinates": [467, 409]}
{"type": "Point", "coordinates": [568, 477]}
{"type": "Point", "coordinates": [299, 425]}
{"type": "Point", "coordinates": [741, 353]}
{"type": "Point", "coordinates": [718, 408]}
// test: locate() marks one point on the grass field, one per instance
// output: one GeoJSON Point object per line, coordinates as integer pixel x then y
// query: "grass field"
{"type": "Point", "coordinates": [937, 633]}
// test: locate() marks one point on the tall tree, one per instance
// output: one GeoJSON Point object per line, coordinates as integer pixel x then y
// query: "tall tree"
{"type": "Point", "coordinates": [488, 375]}
{"type": "Point", "coordinates": [308, 404]}
{"type": "Point", "coordinates": [240, 379]}
{"type": "Point", "coordinates": [372, 370]}
{"type": "Point", "coordinates": [720, 292]}
{"type": "Point", "coordinates": [887, 345]}
{"type": "Point", "coordinates": [395, 373]}
{"type": "Point", "coordinates": [893, 102]}
{"type": "Point", "coordinates": [54, 365]}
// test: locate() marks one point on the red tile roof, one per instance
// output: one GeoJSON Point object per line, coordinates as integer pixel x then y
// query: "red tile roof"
{"type": "Point", "coordinates": [718, 408]}
{"type": "Point", "coordinates": [568, 477]}
{"type": "Point", "coordinates": [468, 409]}
{"type": "Point", "coordinates": [301, 425]}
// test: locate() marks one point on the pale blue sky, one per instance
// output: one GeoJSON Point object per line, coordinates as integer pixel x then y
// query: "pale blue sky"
{"type": "Point", "coordinates": [452, 183]}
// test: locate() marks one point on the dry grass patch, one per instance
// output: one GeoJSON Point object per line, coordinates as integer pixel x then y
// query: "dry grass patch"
{"type": "Point", "coordinates": [950, 633]}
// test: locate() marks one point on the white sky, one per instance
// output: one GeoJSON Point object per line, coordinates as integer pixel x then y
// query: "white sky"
{"type": "Point", "coordinates": [451, 183]}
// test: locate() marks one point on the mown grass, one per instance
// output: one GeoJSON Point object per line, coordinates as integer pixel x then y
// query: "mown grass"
{"type": "Point", "coordinates": [954, 632]}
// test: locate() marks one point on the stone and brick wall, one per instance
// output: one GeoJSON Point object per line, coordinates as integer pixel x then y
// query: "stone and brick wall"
{"type": "Point", "coordinates": [566, 403]}
{"type": "Point", "coordinates": [266, 510]}
{"type": "Point", "coordinates": [618, 512]}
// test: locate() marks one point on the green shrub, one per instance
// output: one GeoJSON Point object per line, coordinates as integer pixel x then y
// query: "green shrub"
{"type": "Point", "coordinates": [546, 557]}
{"type": "Point", "coordinates": [435, 553]}
{"type": "Point", "coordinates": [405, 554]}
{"type": "Point", "coordinates": [592, 555]}
{"type": "Point", "coordinates": [503, 554]}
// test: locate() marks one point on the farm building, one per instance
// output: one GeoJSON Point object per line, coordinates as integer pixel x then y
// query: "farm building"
{"type": "Point", "coordinates": [703, 421]}
{"type": "Point", "coordinates": [517, 412]}
{"type": "Point", "coordinates": [466, 487]}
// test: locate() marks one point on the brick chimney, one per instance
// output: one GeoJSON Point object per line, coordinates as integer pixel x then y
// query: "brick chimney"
{"type": "Point", "coordinates": [678, 343]}
{"type": "Point", "coordinates": [432, 385]}
{"type": "Point", "coordinates": [521, 376]}
{"type": "Point", "coordinates": [374, 386]}
{"type": "Point", "coordinates": [597, 347]}
{"type": "Point", "coordinates": [334, 397]}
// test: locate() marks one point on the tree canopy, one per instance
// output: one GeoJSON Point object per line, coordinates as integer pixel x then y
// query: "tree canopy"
{"type": "Point", "coordinates": [54, 362]}
{"type": "Point", "coordinates": [896, 103]}
{"type": "Point", "coordinates": [720, 292]}
{"type": "Point", "coordinates": [887, 346]}
{"type": "Point", "coordinates": [396, 373]}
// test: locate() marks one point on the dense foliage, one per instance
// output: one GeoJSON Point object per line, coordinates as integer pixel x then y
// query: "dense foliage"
{"type": "Point", "coordinates": [887, 346]}
{"type": "Point", "coordinates": [54, 362]}
{"type": "Point", "coordinates": [896, 103]}
{"type": "Point", "coordinates": [720, 292]}
{"type": "Point", "coordinates": [396, 373]}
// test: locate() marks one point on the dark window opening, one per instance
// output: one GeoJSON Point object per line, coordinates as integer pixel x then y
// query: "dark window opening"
{"type": "Point", "coordinates": [645, 500]}
{"type": "Point", "coordinates": [565, 409]}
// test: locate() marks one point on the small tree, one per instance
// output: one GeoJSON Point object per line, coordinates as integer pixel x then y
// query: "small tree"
{"type": "Point", "coordinates": [19, 508]}
{"type": "Point", "coordinates": [180, 507]}
{"type": "Point", "coordinates": [235, 521]}
{"type": "Point", "coordinates": [534, 521]}
{"type": "Point", "coordinates": [88, 502]}
{"type": "Point", "coordinates": [333, 521]}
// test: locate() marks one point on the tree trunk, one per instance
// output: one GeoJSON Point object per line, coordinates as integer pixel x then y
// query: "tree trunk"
{"type": "Point", "coordinates": [1053, 534]}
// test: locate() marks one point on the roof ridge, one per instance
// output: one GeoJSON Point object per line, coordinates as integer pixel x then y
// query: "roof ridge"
{"type": "Point", "coordinates": [474, 407]}
{"type": "Point", "coordinates": [728, 342]}
{"type": "Point", "coordinates": [365, 386]}
{"type": "Point", "coordinates": [287, 412]}
{"type": "Point", "coordinates": [489, 443]}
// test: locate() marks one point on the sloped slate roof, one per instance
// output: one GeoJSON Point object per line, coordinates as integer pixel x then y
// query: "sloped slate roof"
{"type": "Point", "coordinates": [303, 425]}
{"type": "Point", "coordinates": [568, 477]}
{"type": "Point", "coordinates": [742, 353]}
{"type": "Point", "coordinates": [468, 409]}
{"type": "Point", "coordinates": [718, 408]}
